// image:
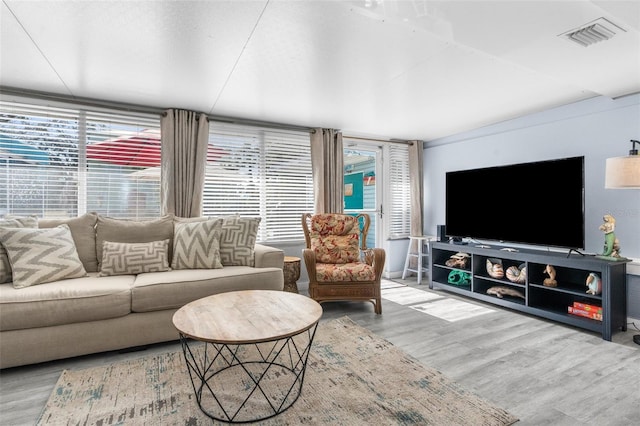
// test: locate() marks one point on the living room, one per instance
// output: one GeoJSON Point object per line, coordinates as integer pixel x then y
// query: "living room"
{"type": "Point", "coordinates": [496, 106]}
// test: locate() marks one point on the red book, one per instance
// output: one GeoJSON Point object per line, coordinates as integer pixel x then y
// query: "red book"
{"type": "Point", "coordinates": [587, 307]}
{"type": "Point", "coordinates": [585, 314]}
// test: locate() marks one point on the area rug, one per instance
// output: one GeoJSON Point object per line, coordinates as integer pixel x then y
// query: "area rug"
{"type": "Point", "coordinates": [353, 377]}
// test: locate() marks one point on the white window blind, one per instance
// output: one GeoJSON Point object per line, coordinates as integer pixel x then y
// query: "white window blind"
{"type": "Point", "coordinates": [255, 171]}
{"type": "Point", "coordinates": [399, 206]}
{"type": "Point", "coordinates": [64, 161]}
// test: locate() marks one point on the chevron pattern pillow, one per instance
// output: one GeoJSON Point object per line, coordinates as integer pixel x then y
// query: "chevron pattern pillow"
{"type": "Point", "coordinates": [14, 222]}
{"type": "Point", "coordinates": [238, 240]}
{"type": "Point", "coordinates": [196, 245]}
{"type": "Point", "coordinates": [134, 258]}
{"type": "Point", "coordinates": [41, 256]}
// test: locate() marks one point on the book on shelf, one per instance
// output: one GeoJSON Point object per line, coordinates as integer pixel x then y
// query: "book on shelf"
{"type": "Point", "coordinates": [587, 307]}
{"type": "Point", "coordinates": [585, 314]}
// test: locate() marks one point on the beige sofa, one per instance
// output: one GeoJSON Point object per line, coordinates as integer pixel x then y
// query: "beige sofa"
{"type": "Point", "coordinates": [94, 313]}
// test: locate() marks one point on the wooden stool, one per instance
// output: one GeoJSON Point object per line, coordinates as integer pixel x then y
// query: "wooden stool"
{"type": "Point", "coordinates": [419, 254]}
{"type": "Point", "coordinates": [291, 272]}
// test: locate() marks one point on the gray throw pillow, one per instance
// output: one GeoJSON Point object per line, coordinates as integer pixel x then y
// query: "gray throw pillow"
{"type": "Point", "coordinates": [238, 240]}
{"type": "Point", "coordinates": [12, 222]}
{"type": "Point", "coordinates": [196, 245]}
{"type": "Point", "coordinates": [83, 231]}
{"type": "Point", "coordinates": [40, 256]}
{"type": "Point", "coordinates": [134, 258]}
{"type": "Point", "coordinates": [132, 231]}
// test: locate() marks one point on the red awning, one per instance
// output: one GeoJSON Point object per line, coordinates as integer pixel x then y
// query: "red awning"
{"type": "Point", "coordinates": [141, 149]}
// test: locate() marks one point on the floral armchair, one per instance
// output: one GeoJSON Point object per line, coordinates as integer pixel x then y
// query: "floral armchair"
{"type": "Point", "coordinates": [339, 265]}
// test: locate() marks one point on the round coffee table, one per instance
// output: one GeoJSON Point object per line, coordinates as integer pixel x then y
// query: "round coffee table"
{"type": "Point", "coordinates": [256, 345]}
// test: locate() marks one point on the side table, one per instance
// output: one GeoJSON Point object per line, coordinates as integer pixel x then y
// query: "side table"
{"type": "Point", "coordinates": [291, 273]}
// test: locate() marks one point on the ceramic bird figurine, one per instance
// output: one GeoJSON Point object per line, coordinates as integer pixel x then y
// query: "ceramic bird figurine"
{"type": "Point", "coordinates": [594, 283]}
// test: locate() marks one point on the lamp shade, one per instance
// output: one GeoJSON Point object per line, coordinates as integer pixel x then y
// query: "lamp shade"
{"type": "Point", "coordinates": [623, 172]}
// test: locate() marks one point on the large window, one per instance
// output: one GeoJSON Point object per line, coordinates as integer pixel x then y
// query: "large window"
{"type": "Point", "coordinates": [64, 161]}
{"type": "Point", "coordinates": [263, 172]}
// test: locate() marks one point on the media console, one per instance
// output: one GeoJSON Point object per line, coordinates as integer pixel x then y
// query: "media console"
{"type": "Point", "coordinates": [538, 299]}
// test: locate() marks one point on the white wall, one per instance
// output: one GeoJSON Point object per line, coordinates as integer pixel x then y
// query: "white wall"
{"type": "Point", "coordinates": [597, 128]}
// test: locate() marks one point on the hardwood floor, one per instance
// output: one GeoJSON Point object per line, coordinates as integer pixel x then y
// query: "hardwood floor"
{"type": "Point", "coordinates": [540, 371]}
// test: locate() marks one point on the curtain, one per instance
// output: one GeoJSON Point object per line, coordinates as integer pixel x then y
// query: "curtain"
{"type": "Point", "coordinates": [328, 171]}
{"type": "Point", "coordinates": [415, 190]}
{"type": "Point", "coordinates": [185, 138]}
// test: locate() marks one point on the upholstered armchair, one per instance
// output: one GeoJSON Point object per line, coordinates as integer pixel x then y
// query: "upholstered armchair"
{"type": "Point", "coordinates": [339, 265]}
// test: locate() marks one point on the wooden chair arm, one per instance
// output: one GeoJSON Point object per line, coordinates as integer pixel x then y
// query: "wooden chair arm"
{"type": "Point", "coordinates": [377, 257]}
{"type": "Point", "coordinates": [309, 260]}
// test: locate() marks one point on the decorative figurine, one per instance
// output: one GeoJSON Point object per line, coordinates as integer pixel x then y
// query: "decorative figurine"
{"type": "Point", "coordinates": [458, 260]}
{"type": "Point", "coordinates": [611, 243]}
{"type": "Point", "coordinates": [500, 292]}
{"type": "Point", "coordinates": [594, 283]}
{"type": "Point", "coordinates": [551, 281]}
{"type": "Point", "coordinates": [494, 268]}
{"type": "Point", "coordinates": [517, 274]}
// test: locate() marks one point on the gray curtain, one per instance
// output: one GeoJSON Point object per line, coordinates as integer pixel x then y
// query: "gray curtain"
{"type": "Point", "coordinates": [328, 170]}
{"type": "Point", "coordinates": [185, 138]}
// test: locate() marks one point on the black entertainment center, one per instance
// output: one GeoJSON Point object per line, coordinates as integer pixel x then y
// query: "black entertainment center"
{"type": "Point", "coordinates": [540, 300]}
{"type": "Point", "coordinates": [528, 204]}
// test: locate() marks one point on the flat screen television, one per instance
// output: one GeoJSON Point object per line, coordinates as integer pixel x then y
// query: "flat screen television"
{"type": "Point", "coordinates": [536, 203]}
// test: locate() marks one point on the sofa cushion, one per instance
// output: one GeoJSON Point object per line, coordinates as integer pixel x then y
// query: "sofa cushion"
{"type": "Point", "coordinates": [168, 290]}
{"type": "Point", "coordinates": [336, 249]}
{"type": "Point", "coordinates": [40, 256]}
{"type": "Point", "coordinates": [196, 245]}
{"type": "Point", "coordinates": [343, 272]}
{"type": "Point", "coordinates": [335, 238]}
{"type": "Point", "coordinates": [65, 302]}
{"type": "Point", "coordinates": [134, 258]}
{"type": "Point", "coordinates": [13, 222]}
{"type": "Point", "coordinates": [133, 231]}
{"type": "Point", "coordinates": [238, 240]}
{"type": "Point", "coordinates": [83, 231]}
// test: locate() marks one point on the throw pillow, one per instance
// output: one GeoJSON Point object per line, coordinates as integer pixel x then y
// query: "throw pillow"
{"type": "Point", "coordinates": [196, 245]}
{"type": "Point", "coordinates": [40, 256]}
{"type": "Point", "coordinates": [336, 248]}
{"type": "Point", "coordinates": [134, 258]}
{"type": "Point", "coordinates": [13, 222]}
{"type": "Point", "coordinates": [238, 240]}
{"type": "Point", "coordinates": [83, 231]}
{"type": "Point", "coordinates": [132, 231]}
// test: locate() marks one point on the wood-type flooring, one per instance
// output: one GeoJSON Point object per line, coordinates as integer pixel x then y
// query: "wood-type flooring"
{"type": "Point", "coordinates": [540, 371]}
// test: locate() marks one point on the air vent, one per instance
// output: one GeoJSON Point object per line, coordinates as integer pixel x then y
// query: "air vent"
{"type": "Point", "coordinates": [596, 31]}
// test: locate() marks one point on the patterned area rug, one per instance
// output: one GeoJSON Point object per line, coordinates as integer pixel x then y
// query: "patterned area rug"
{"type": "Point", "coordinates": [353, 377]}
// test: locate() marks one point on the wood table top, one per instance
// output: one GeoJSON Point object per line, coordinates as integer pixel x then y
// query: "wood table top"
{"type": "Point", "coordinates": [248, 316]}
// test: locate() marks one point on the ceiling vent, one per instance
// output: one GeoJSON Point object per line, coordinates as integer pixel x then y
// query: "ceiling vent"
{"type": "Point", "coordinates": [595, 31]}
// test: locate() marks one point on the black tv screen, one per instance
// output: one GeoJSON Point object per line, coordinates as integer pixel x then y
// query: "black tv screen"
{"type": "Point", "coordinates": [538, 203]}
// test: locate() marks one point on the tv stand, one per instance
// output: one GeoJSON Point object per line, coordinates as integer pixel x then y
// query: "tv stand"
{"type": "Point", "coordinates": [551, 303]}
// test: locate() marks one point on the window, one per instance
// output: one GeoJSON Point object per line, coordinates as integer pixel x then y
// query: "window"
{"type": "Point", "coordinates": [62, 161]}
{"type": "Point", "coordinates": [399, 205]}
{"type": "Point", "coordinates": [255, 171]}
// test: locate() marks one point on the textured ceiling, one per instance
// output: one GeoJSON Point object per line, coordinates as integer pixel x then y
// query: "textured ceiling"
{"type": "Point", "coordinates": [389, 69]}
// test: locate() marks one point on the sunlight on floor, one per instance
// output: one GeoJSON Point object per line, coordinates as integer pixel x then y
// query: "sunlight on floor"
{"type": "Point", "coordinates": [431, 303]}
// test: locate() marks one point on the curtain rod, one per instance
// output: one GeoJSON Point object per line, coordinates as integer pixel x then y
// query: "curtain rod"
{"type": "Point", "coordinates": [410, 143]}
{"type": "Point", "coordinates": [97, 103]}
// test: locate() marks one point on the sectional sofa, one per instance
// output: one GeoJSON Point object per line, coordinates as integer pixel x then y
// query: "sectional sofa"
{"type": "Point", "coordinates": [91, 283]}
